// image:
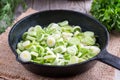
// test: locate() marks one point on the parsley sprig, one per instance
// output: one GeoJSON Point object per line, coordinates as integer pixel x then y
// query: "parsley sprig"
{"type": "Point", "coordinates": [7, 9]}
{"type": "Point", "coordinates": [107, 12]}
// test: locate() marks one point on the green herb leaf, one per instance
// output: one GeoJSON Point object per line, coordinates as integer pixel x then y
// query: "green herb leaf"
{"type": "Point", "coordinates": [7, 8]}
{"type": "Point", "coordinates": [107, 12]}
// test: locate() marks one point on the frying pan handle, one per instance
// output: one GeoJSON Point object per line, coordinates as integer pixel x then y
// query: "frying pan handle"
{"type": "Point", "coordinates": [109, 59]}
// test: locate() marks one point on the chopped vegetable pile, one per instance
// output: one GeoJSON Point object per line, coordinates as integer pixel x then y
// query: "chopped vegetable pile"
{"type": "Point", "coordinates": [107, 12]}
{"type": "Point", "coordinates": [57, 44]}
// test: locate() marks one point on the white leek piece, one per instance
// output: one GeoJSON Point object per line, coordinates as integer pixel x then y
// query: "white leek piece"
{"type": "Point", "coordinates": [25, 56]}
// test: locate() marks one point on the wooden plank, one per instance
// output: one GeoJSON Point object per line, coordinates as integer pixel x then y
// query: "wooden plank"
{"type": "Point", "coordinates": [41, 5]}
{"type": "Point", "coordinates": [88, 4]}
{"type": "Point", "coordinates": [29, 3]}
{"type": "Point", "coordinates": [19, 10]}
{"type": "Point", "coordinates": [68, 5]}
{"type": "Point", "coordinates": [117, 75]}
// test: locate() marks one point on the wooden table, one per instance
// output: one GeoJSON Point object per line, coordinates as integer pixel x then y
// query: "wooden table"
{"type": "Point", "coordinates": [76, 5]}
{"type": "Point", "coordinates": [41, 5]}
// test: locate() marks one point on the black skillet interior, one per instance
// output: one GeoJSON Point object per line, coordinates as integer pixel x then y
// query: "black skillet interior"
{"type": "Point", "coordinates": [86, 22]}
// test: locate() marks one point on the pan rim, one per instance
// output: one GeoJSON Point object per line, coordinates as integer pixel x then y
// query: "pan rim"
{"type": "Point", "coordinates": [46, 11]}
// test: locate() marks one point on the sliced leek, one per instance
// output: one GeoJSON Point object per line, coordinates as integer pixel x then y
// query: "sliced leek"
{"type": "Point", "coordinates": [57, 44]}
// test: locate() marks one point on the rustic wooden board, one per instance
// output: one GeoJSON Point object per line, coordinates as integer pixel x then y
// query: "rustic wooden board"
{"type": "Point", "coordinates": [41, 5]}
{"type": "Point", "coordinates": [69, 5]}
